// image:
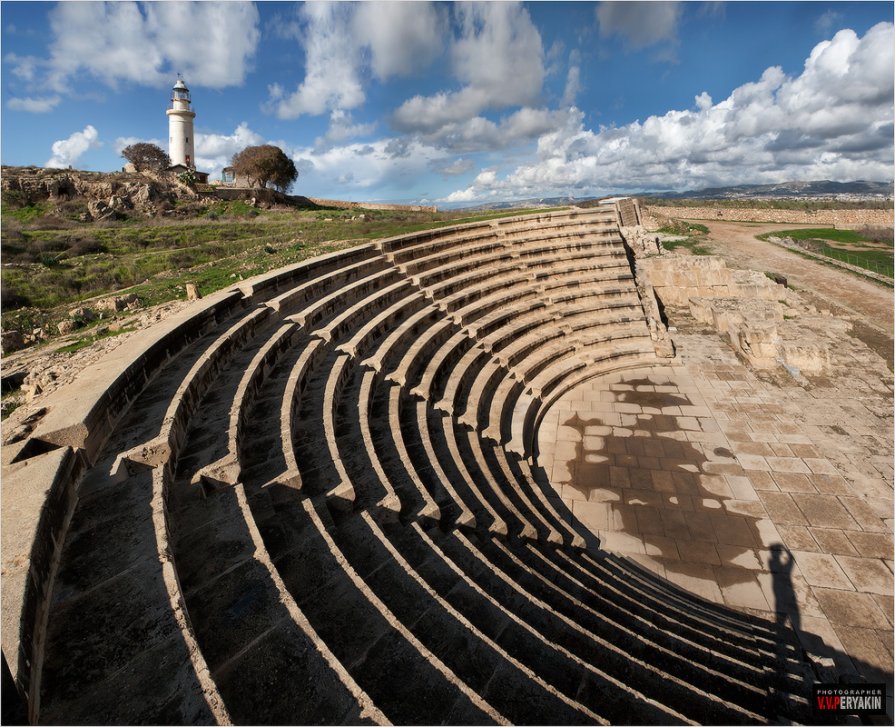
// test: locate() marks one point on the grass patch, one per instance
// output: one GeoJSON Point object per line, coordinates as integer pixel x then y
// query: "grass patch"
{"type": "Point", "coordinates": [682, 227]}
{"type": "Point", "coordinates": [232, 208]}
{"type": "Point", "coordinates": [86, 341]}
{"type": "Point", "coordinates": [831, 264]}
{"type": "Point", "coordinates": [691, 232]}
{"type": "Point", "coordinates": [28, 213]}
{"type": "Point", "coordinates": [816, 240]}
{"type": "Point", "coordinates": [9, 403]}
{"type": "Point", "coordinates": [818, 233]}
{"type": "Point", "coordinates": [690, 244]}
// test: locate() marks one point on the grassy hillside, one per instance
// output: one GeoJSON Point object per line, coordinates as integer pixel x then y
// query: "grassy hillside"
{"type": "Point", "coordinates": [52, 263]}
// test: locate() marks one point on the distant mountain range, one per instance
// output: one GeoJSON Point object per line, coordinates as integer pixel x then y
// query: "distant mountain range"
{"type": "Point", "coordinates": [860, 189]}
{"type": "Point", "coordinates": [824, 188]}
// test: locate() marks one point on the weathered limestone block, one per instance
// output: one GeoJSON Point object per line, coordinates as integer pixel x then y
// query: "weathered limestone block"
{"type": "Point", "coordinates": [118, 303]}
{"type": "Point", "coordinates": [752, 284]}
{"type": "Point", "coordinates": [641, 242]}
{"type": "Point", "coordinates": [756, 341]}
{"type": "Point", "coordinates": [812, 358]}
{"type": "Point", "coordinates": [720, 312]}
{"type": "Point", "coordinates": [679, 278]}
{"type": "Point", "coordinates": [806, 344]}
{"type": "Point", "coordinates": [81, 314]}
{"type": "Point", "coordinates": [658, 331]}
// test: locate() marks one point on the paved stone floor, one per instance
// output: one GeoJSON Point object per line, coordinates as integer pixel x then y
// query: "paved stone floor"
{"type": "Point", "coordinates": [760, 491]}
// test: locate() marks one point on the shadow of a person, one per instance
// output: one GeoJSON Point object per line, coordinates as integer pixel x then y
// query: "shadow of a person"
{"type": "Point", "coordinates": [786, 608]}
{"type": "Point", "coordinates": [785, 604]}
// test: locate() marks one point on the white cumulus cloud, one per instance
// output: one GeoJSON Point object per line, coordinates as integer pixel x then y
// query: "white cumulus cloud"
{"type": "Point", "coordinates": [382, 168]}
{"type": "Point", "coordinates": [215, 151]}
{"type": "Point", "coordinates": [332, 78]}
{"type": "Point", "coordinates": [341, 128]}
{"type": "Point", "coordinates": [145, 42]}
{"type": "Point", "coordinates": [342, 40]}
{"type": "Point", "coordinates": [402, 37]}
{"type": "Point", "coordinates": [453, 168]}
{"type": "Point", "coordinates": [67, 151]}
{"type": "Point", "coordinates": [832, 121]}
{"type": "Point", "coordinates": [498, 56]}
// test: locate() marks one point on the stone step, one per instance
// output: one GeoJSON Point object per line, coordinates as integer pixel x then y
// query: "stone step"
{"type": "Point", "coordinates": [405, 680]}
{"type": "Point", "coordinates": [510, 685]}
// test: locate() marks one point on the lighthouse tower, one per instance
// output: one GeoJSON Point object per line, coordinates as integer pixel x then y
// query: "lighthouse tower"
{"type": "Point", "coordinates": [180, 127]}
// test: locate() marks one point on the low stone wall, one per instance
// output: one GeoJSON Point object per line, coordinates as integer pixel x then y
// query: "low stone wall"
{"type": "Point", "coordinates": [341, 204]}
{"type": "Point", "coordinates": [270, 196]}
{"type": "Point", "coordinates": [835, 218]}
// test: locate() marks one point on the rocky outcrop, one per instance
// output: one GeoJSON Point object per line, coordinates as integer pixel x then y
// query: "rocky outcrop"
{"type": "Point", "coordinates": [108, 196]}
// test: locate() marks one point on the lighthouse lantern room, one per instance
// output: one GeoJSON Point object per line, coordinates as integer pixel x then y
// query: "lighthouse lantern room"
{"type": "Point", "coordinates": [180, 126]}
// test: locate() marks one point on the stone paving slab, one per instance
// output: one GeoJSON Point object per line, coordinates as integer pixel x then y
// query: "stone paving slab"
{"type": "Point", "coordinates": [765, 493]}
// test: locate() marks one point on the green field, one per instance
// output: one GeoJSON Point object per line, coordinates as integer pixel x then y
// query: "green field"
{"type": "Point", "coordinates": [51, 264]}
{"type": "Point", "coordinates": [878, 258]}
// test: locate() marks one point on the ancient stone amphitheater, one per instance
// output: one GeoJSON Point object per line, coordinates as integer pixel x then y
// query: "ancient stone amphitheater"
{"type": "Point", "coordinates": [316, 497]}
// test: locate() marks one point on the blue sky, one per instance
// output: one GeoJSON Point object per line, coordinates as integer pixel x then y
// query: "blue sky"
{"type": "Point", "coordinates": [464, 102]}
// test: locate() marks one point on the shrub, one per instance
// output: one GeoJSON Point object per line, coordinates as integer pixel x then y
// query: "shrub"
{"type": "Point", "coordinates": [86, 247]}
{"type": "Point", "coordinates": [188, 178]}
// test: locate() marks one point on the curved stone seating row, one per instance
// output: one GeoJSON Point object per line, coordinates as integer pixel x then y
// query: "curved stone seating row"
{"type": "Point", "coordinates": [321, 505]}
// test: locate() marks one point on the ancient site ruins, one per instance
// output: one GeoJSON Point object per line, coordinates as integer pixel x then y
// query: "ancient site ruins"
{"type": "Point", "coordinates": [531, 470]}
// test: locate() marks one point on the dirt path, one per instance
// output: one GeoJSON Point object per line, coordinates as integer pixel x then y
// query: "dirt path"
{"type": "Point", "coordinates": [867, 304]}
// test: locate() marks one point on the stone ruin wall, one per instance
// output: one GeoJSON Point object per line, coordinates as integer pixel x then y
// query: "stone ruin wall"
{"type": "Point", "coordinates": [836, 218]}
{"type": "Point", "coordinates": [748, 309]}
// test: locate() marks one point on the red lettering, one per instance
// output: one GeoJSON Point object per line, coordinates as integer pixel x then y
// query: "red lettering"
{"type": "Point", "coordinates": [827, 702]}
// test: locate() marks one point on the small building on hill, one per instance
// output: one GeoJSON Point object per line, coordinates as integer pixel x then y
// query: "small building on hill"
{"type": "Point", "coordinates": [229, 178]}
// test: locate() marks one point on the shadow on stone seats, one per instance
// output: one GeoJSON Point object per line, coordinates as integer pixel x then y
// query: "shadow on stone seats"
{"type": "Point", "coordinates": [111, 620]}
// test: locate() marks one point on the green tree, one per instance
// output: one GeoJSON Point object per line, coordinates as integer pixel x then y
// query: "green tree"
{"type": "Point", "coordinates": [265, 165]}
{"type": "Point", "coordinates": [146, 157]}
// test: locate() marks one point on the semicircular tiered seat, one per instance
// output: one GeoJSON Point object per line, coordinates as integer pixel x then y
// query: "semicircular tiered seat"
{"type": "Point", "coordinates": [317, 495]}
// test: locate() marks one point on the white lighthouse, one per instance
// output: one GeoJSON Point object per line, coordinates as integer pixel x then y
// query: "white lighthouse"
{"type": "Point", "coordinates": [180, 127]}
